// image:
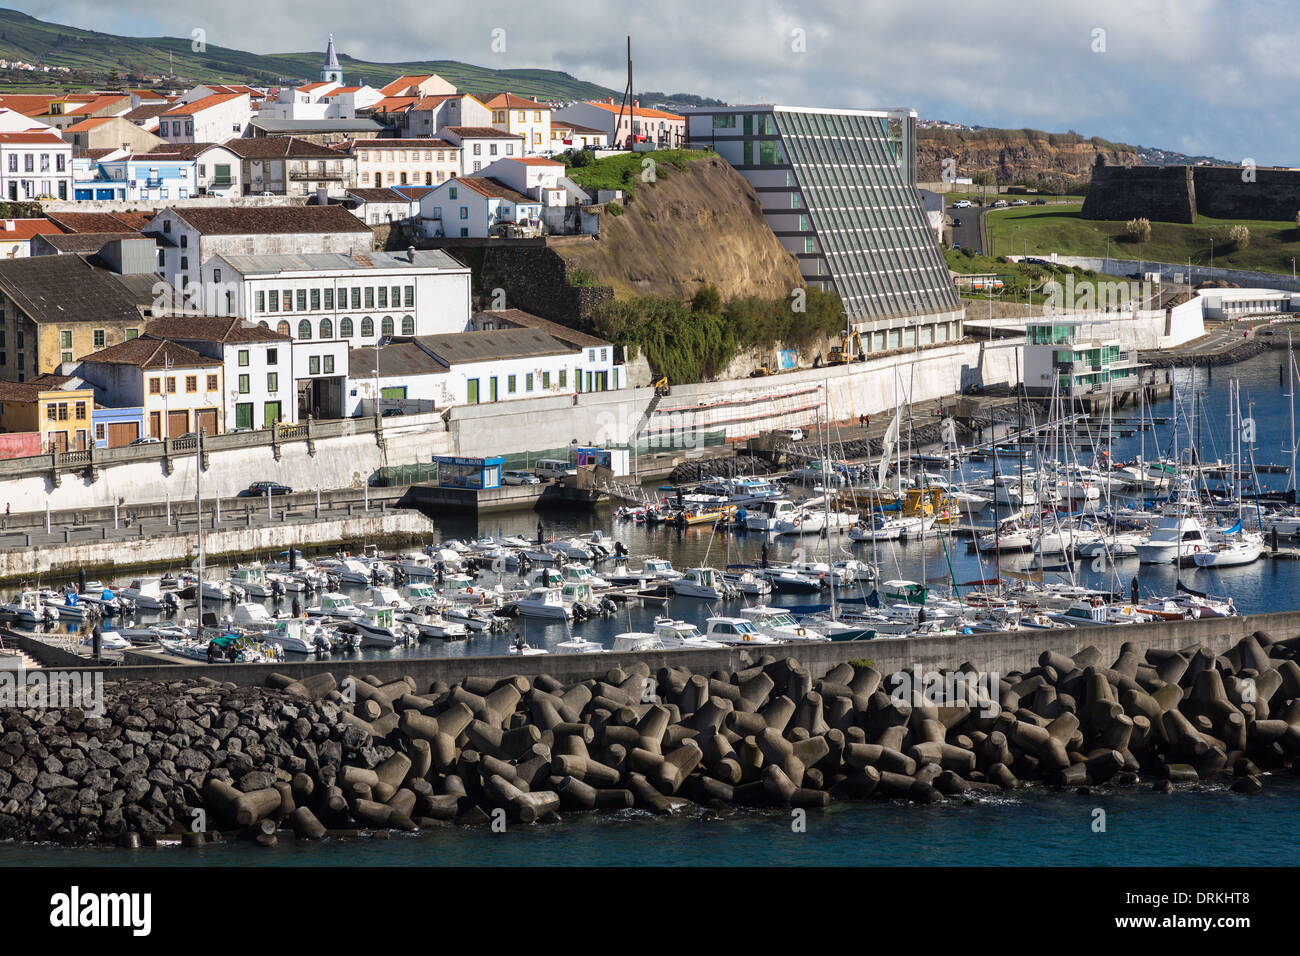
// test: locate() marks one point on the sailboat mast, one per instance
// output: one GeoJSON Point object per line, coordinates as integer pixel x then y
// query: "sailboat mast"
{"type": "Point", "coordinates": [198, 517]}
{"type": "Point", "coordinates": [1290, 371]}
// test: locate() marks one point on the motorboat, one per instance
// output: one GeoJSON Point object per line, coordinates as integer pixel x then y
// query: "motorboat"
{"type": "Point", "coordinates": [379, 627]}
{"type": "Point", "coordinates": [547, 603]}
{"type": "Point", "coordinates": [1235, 550]}
{"type": "Point", "coordinates": [747, 582]}
{"type": "Point", "coordinates": [680, 635]}
{"type": "Point", "coordinates": [767, 514]}
{"type": "Point", "coordinates": [734, 630]}
{"type": "Point", "coordinates": [337, 606]}
{"type": "Point", "coordinates": [705, 583]}
{"type": "Point", "coordinates": [578, 645]}
{"type": "Point", "coordinates": [1179, 535]}
{"type": "Point", "coordinates": [638, 641]}
{"type": "Point", "coordinates": [146, 594]}
{"type": "Point", "coordinates": [780, 624]}
{"type": "Point", "coordinates": [251, 579]}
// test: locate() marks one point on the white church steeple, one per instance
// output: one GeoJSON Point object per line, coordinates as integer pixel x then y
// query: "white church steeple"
{"type": "Point", "coordinates": [331, 70]}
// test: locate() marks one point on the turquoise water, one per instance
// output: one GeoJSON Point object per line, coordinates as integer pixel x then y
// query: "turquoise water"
{"type": "Point", "coordinates": [1196, 826]}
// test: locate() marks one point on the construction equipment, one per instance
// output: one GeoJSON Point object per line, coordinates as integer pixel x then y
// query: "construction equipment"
{"type": "Point", "coordinates": [849, 349]}
{"type": "Point", "coordinates": [662, 387]}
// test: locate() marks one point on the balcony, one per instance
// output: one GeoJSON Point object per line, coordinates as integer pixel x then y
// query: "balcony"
{"type": "Point", "coordinates": [317, 176]}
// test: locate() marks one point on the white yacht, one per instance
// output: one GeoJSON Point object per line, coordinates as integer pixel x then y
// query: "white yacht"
{"type": "Point", "coordinates": [251, 579]}
{"type": "Point", "coordinates": [544, 603]}
{"type": "Point", "coordinates": [735, 630]}
{"type": "Point", "coordinates": [578, 645]}
{"type": "Point", "coordinates": [338, 606]}
{"type": "Point", "coordinates": [779, 624]}
{"type": "Point", "coordinates": [767, 514]}
{"type": "Point", "coordinates": [1179, 536]}
{"type": "Point", "coordinates": [145, 593]}
{"type": "Point", "coordinates": [638, 641]}
{"type": "Point", "coordinates": [706, 583]}
{"type": "Point", "coordinates": [680, 635]}
{"type": "Point", "coordinates": [379, 627]}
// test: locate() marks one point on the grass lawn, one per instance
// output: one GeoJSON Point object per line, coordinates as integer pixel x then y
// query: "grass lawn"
{"type": "Point", "coordinates": [624, 172]}
{"type": "Point", "coordinates": [1021, 283]}
{"type": "Point", "coordinates": [1040, 230]}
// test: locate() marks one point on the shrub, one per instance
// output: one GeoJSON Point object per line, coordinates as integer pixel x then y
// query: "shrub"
{"type": "Point", "coordinates": [1138, 230]}
{"type": "Point", "coordinates": [581, 277]}
{"type": "Point", "coordinates": [615, 209]}
{"type": "Point", "coordinates": [1239, 236]}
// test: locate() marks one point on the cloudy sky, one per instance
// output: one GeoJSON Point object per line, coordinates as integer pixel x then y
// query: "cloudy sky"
{"type": "Point", "coordinates": [1198, 76]}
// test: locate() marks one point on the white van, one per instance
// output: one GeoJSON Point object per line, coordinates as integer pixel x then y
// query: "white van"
{"type": "Point", "coordinates": [552, 468]}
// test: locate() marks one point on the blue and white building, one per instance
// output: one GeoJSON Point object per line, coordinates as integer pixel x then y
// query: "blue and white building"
{"type": "Point", "coordinates": [146, 176]}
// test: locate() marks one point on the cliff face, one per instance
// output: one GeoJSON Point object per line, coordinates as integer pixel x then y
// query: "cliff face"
{"type": "Point", "coordinates": [1014, 155]}
{"type": "Point", "coordinates": [696, 226]}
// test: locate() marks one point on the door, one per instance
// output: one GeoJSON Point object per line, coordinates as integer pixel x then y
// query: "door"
{"type": "Point", "coordinates": [272, 414]}
{"type": "Point", "coordinates": [244, 415]}
{"type": "Point", "coordinates": [122, 433]}
{"type": "Point", "coordinates": [80, 444]}
{"type": "Point", "coordinates": [58, 441]}
{"type": "Point", "coordinates": [601, 381]}
{"type": "Point", "coordinates": [494, 388]}
{"type": "Point", "coordinates": [205, 420]}
{"type": "Point", "coordinates": [473, 391]}
{"type": "Point", "coordinates": [178, 423]}
{"type": "Point", "coordinates": [155, 425]}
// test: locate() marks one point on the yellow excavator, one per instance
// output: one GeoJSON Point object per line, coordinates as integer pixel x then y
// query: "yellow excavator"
{"type": "Point", "coordinates": [849, 349]}
{"type": "Point", "coordinates": [662, 387]}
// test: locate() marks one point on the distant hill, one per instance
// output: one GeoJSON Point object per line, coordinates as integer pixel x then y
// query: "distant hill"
{"type": "Point", "coordinates": [104, 56]}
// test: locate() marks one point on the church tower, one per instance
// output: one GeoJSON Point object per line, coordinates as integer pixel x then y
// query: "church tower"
{"type": "Point", "coordinates": [331, 71]}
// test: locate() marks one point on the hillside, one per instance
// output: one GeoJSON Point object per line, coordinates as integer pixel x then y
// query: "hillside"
{"type": "Point", "coordinates": [1024, 156]}
{"type": "Point", "coordinates": [698, 225]}
{"type": "Point", "coordinates": [26, 38]}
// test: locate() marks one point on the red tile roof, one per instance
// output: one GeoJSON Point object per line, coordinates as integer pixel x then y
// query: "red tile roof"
{"type": "Point", "coordinates": [89, 124]}
{"type": "Point", "coordinates": [404, 83]}
{"type": "Point", "coordinates": [198, 106]}
{"type": "Point", "coordinates": [494, 189]}
{"type": "Point", "coordinates": [32, 137]}
{"type": "Point", "coordinates": [511, 102]}
{"type": "Point", "coordinates": [638, 110]}
{"type": "Point", "coordinates": [483, 132]}
{"type": "Point", "coordinates": [26, 228]}
{"type": "Point", "coordinates": [29, 104]}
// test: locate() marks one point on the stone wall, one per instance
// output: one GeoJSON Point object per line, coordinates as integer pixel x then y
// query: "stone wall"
{"type": "Point", "coordinates": [535, 279]}
{"type": "Point", "coordinates": [1158, 193]}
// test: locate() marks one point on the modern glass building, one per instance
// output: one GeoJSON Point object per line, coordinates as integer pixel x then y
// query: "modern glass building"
{"type": "Point", "coordinates": [838, 189]}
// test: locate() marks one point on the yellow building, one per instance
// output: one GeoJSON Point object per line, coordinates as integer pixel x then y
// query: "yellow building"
{"type": "Point", "coordinates": [523, 117]}
{"type": "Point", "coordinates": [58, 406]}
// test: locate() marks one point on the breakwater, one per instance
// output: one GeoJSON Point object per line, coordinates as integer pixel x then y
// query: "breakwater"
{"type": "Point", "coordinates": [203, 760]}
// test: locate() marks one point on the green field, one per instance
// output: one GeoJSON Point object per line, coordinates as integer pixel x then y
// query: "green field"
{"type": "Point", "coordinates": [1041, 230]}
{"type": "Point", "coordinates": [624, 172]}
{"type": "Point", "coordinates": [104, 55]}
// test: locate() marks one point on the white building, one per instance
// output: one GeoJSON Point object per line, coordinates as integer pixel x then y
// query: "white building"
{"type": "Point", "coordinates": [404, 162]}
{"type": "Point", "coordinates": [478, 207]}
{"type": "Point", "coordinates": [324, 297]}
{"type": "Point", "coordinates": [179, 389]}
{"type": "Point", "coordinates": [257, 365]}
{"type": "Point", "coordinates": [35, 165]}
{"type": "Point", "coordinates": [212, 119]}
{"type": "Point", "coordinates": [532, 176]}
{"type": "Point", "coordinates": [481, 146]}
{"type": "Point", "coordinates": [471, 368]}
{"type": "Point", "coordinates": [188, 237]}
{"type": "Point", "coordinates": [429, 114]}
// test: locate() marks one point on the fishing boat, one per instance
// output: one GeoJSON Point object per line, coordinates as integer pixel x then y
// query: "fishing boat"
{"type": "Point", "coordinates": [679, 635]}
{"type": "Point", "coordinates": [379, 627]}
{"type": "Point", "coordinates": [779, 624]}
{"type": "Point", "coordinates": [547, 603]}
{"type": "Point", "coordinates": [337, 606]}
{"type": "Point", "coordinates": [705, 583]}
{"type": "Point", "coordinates": [734, 630]}
{"type": "Point", "coordinates": [578, 645]}
{"type": "Point", "coordinates": [251, 578]}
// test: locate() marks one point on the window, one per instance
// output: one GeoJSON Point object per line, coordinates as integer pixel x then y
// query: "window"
{"type": "Point", "coordinates": [329, 298]}
{"type": "Point", "coordinates": [288, 300]}
{"type": "Point", "coordinates": [282, 327]}
{"type": "Point", "coordinates": [510, 384]}
{"type": "Point", "coordinates": [464, 212]}
{"type": "Point", "coordinates": [275, 300]}
{"type": "Point", "coordinates": [65, 339]}
{"type": "Point", "coordinates": [261, 301]}
{"type": "Point", "coordinates": [528, 382]}
{"type": "Point", "coordinates": [313, 365]}
{"type": "Point", "coordinates": [367, 327]}
{"type": "Point", "coordinates": [216, 275]}
{"type": "Point", "coordinates": [99, 431]}
{"type": "Point", "coordinates": [356, 299]}
{"type": "Point", "coordinates": [345, 328]}
{"type": "Point", "coordinates": [370, 297]}
{"type": "Point", "coordinates": [451, 192]}
{"type": "Point", "coordinates": [564, 377]}
{"type": "Point", "coordinates": [212, 383]}
{"type": "Point", "coordinates": [272, 356]}
{"type": "Point", "coordinates": [410, 297]}
{"type": "Point", "coordinates": [326, 329]}
{"type": "Point", "coordinates": [191, 384]}
{"type": "Point", "coordinates": [304, 330]}
{"type": "Point", "coordinates": [546, 380]}
{"type": "Point", "coordinates": [383, 297]}
{"type": "Point", "coordinates": [365, 177]}
{"type": "Point", "coordinates": [272, 382]}
{"type": "Point", "coordinates": [315, 300]}
{"type": "Point", "coordinates": [171, 385]}
{"type": "Point", "coordinates": [185, 240]}
{"type": "Point", "coordinates": [243, 358]}
{"type": "Point", "coordinates": [243, 385]}
{"type": "Point", "coordinates": [244, 415]}
{"type": "Point", "coordinates": [408, 325]}
{"type": "Point", "coordinates": [387, 325]}
{"type": "Point", "coordinates": [81, 411]}
{"type": "Point", "coordinates": [130, 334]}
{"type": "Point", "coordinates": [329, 364]}
{"type": "Point", "coordinates": [492, 149]}
{"type": "Point", "coordinates": [302, 300]}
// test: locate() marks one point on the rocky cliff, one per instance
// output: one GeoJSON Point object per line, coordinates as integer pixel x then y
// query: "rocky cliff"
{"type": "Point", "coordinates": [1014, 155]}
{"type": "Point", "coordinates": [695, 226]}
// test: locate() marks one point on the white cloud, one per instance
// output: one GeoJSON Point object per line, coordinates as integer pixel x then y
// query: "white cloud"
{"type": "Point", "coordinates": [1219, 74]}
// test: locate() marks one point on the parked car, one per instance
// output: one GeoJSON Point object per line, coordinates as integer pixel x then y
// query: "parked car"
{"type": "Point", "coordinates": [1000, 204]}
{"type": "Point", "coordinates": [147, 440]}
{"type": "Point", "coordinates": [956, 221]}
{"type": "Point", "coordinates": [961, 204]}
{"type": "Point", "coordinates": [1040, 202]}
{"type": "Point", "coordinates": [519, 478]}
{"type": "Point", "coordinates": [258, 489]}
{"type": "Point", "coordinates": [390, 412]}
{"type": "Point", "coordinates": [553, 468]}
{"type": "Point", "coordinates": [792, 434]}
{"type": "Point", "coordinates": [1020, 202]}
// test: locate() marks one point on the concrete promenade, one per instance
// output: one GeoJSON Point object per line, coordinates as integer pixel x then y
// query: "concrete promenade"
{"type": "Point", "coordinates": [997, 652]}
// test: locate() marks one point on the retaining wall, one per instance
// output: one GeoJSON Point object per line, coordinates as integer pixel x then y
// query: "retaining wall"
{"type": "Point", "coordinates": [999, 652]}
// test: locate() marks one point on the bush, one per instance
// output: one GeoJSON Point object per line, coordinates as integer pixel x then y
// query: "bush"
{"type": "Point", "coordinates": [581, 277]}
{"type": "Point", "coordinates": [1138, 230]}
{"type": "Point", "coordinates": [1239, 236]}
{"type": "Point", "coordinates": [615, 209]}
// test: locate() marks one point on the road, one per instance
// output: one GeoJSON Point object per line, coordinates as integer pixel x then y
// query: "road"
{"type": "Point", "coordinates": [967, 235]}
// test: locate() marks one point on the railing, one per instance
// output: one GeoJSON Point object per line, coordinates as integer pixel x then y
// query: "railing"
{"type": "Point", "coordinates": [315, 175]}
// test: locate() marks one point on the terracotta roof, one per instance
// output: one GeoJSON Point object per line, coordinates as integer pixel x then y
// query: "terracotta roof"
{"type": "Point", "coordinates": [91, 123]}
{"type": "Point", "coordinates": [26, 228]}
{"type": "Point", "coordinates": [340, 90]}
{"type": "Point", "coordinates": [184, 150]}
{"type": "Point", "coordinates": [519, 317]}
{"type": "Point", "coordinates": [638, 110]}
{"type": "Point", "coordinates": [432, 102]}
{"type": "Point", "coordinates": [205, 328]}
{"type": "Point", "coordinates": [315, 86]}
{"type": "Point", "coordinates": [511, 102]}
{"type": "Point", "coordinates": [98, 103]}
{"type": "Point", "coordinates": [482, 132]}
{"type": "Point", "coordinates": [390, 104]}
{"type": "Point", "coordinates": [100, 221]}
{"type": "Point", "coordinates": [29, 104]}
{"type": "Point", "coordinates": [265, 220]}
{"type": "Point", "coordinates": [534, 161]}
{"type": "Point", "coordinates": [277, 147]}
{"type": "Point", "coordinates": [149, 354]}
{"type": "Point", "coordinates": [147, 111]}
{"type": "Point", "coordinates": [401, 143]}
{"type": "Point", "coordinates": [53, 289]}
{"type": "Point", "coordinates": [494, 189]}
{"type": "Point", "coordinates": [404, 83]}
{"type": "Point", "coordinates": [198, 106]}
{"type": "Point", "coordinates": [51, 138]}
{"type": "Point", "coordinates": [414, 192]}
{"type": "Point", "coordinates": [377, 195]}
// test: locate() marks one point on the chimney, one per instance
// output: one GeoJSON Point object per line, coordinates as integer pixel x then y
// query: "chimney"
{"type": "Point", "coordinates": [10, 226]}
{"type": "Point", "coordinates": [636, 104]}
{"type": "Point", "coordinates": [609, 100]}
{"type": "Point", "coordinates": [410, 254]}
{"type": "Point", "coordinates": [322, 196]}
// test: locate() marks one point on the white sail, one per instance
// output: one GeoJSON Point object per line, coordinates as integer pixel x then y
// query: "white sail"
{"type": "Point", "coordinates": [887, 449]}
